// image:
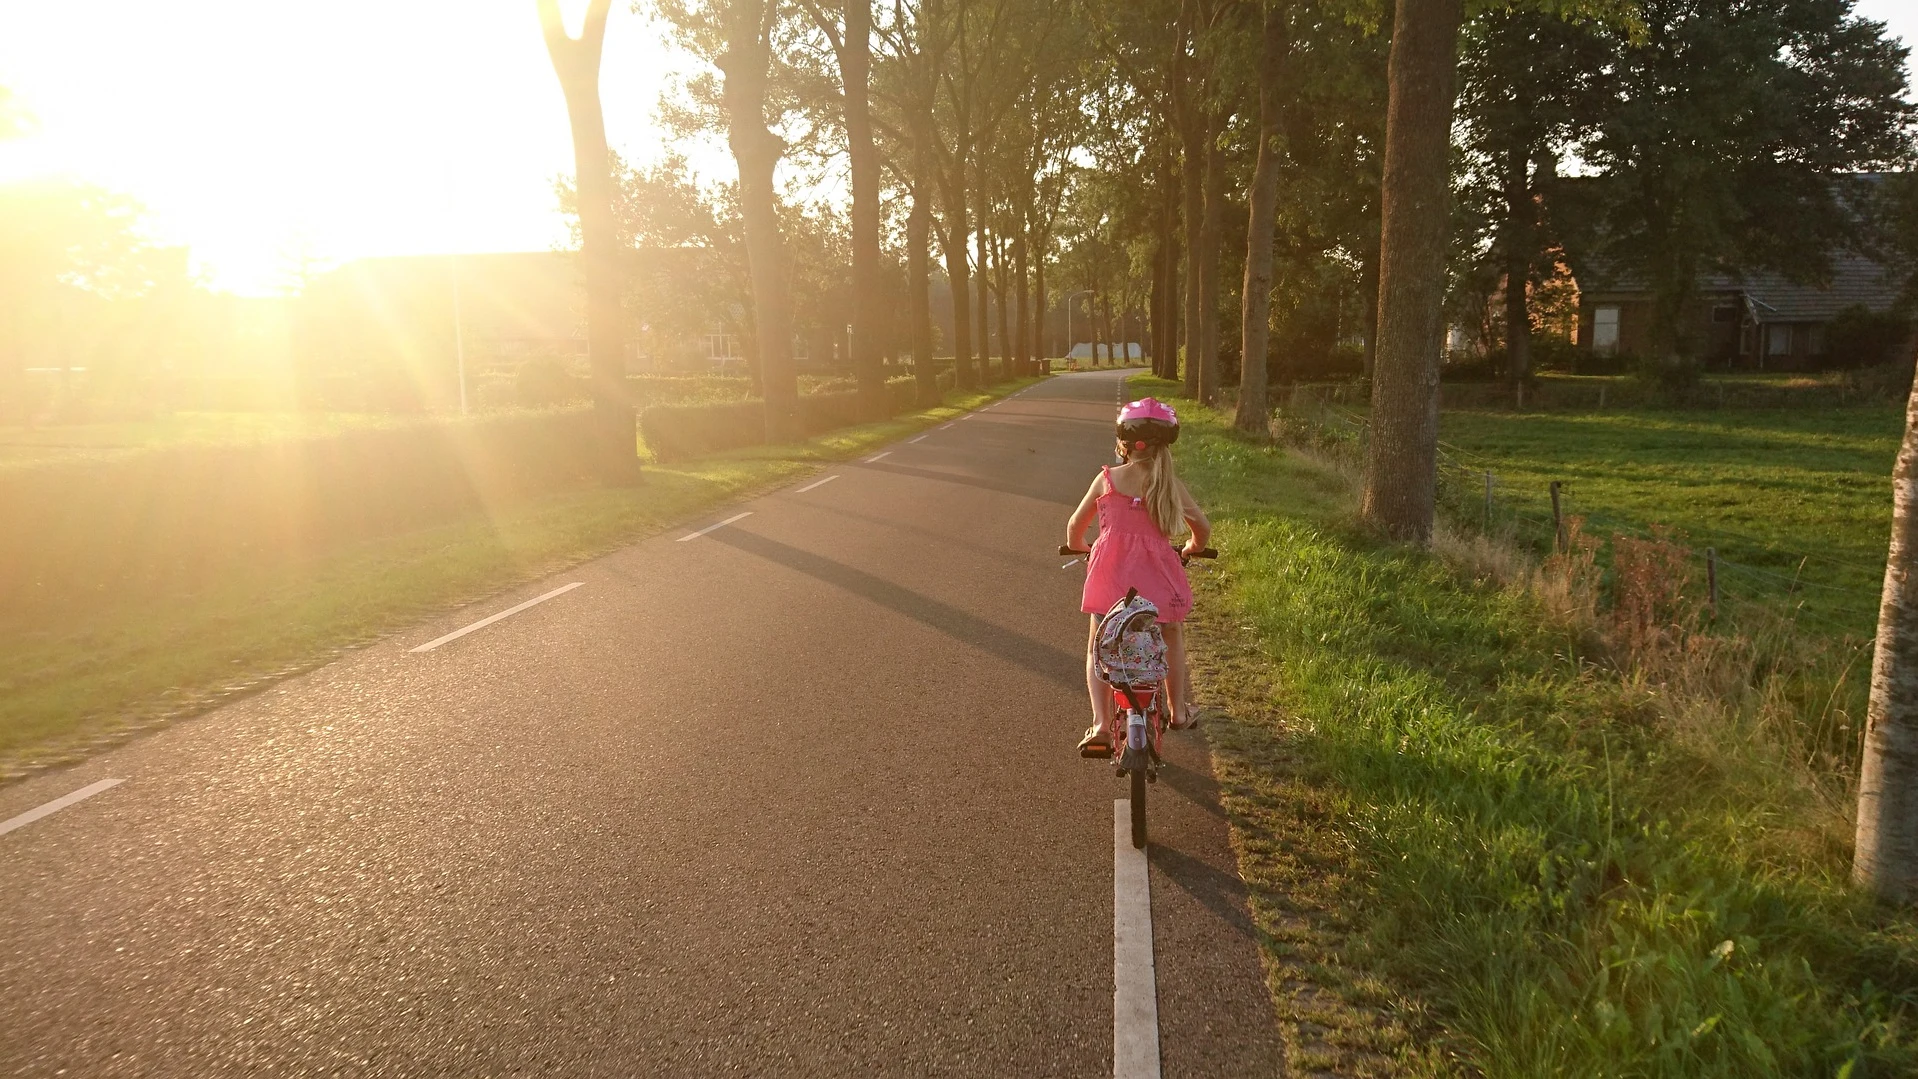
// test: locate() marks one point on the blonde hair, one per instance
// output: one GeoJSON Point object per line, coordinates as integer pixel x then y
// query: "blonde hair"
{"type": "Point", "coordinates": [1161, 496]}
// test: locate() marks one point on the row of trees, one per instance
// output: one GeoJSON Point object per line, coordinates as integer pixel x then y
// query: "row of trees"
{"type": "Point", "coordinates": [1328, 150]}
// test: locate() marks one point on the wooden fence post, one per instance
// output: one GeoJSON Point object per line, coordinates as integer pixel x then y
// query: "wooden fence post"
{"type": "Point", "coordinates": [1558, 522]}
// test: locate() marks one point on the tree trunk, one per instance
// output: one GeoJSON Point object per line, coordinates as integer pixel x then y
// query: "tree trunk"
{"type": "Point", "coordinates": [959, 280]}
{"type": "Point", "coordinates": [919, 295]}
{"type": "Point", "coordinates": [1401, 457]}
{"type": "Point", "coordinates": [1886, 858]}
{"type": "Point", "coordinates": [855, 64]}
{"type": "Point", "coordinates": [1209, 240]}
{"type": "Point", "coordinates": [1255, 323]}
{"type": "Point", "coordinates": [757, 150]}
{"type": "Point", "coordinates": [1519, 213]}
{"type": "Point", "coordinates": [1007, 344]}
{"type": "Point", "coordinates": [984, 314]}
{"type": "Point", "coordinates": [1156, 307]}
{"type": "Point", "coordinates": [1023, 332]}
{"type": "Point", "coordinates": [1039, 338]}
{"type": "Point", "coordinates": [576, 61]}
{"type": "Point", "coordinates": [1195, 136]}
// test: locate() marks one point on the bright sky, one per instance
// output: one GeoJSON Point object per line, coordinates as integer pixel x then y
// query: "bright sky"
{"type": "Point", "coordinates": [264, 133]}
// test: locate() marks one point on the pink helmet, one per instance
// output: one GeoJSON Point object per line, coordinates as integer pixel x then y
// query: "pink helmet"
{"type": "Point", "coordinates": [1148, 421]}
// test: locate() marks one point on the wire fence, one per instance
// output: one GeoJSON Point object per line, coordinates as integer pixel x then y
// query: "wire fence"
{"type": "Point", "coordinates": [1815, 595]}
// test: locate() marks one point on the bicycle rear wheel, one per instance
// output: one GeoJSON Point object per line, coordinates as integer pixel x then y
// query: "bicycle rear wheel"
{"type": "Point", "coordinates": [1138, 808]}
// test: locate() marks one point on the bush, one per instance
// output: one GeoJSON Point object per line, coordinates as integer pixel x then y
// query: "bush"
{"type": "Point", "coordinates": [1860, 337]}
{"type": "Point", "coordinates": [1674, 377]}
{"type": "Point", "coordinates": [676, 432]}
{"type": "Point", "coordinates": [543, 383]}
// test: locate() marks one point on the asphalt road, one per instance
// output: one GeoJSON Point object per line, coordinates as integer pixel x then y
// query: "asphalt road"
{"type": "Point", "coordinates": [796, 797]}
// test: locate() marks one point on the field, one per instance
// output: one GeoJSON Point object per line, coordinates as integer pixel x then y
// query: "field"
{"type": "Point", "coordinates": [1798, 497]}
{"type": "Point", "coordinates": [1505, 854]}
{"type": "Point", "coordinates": [92, 669]}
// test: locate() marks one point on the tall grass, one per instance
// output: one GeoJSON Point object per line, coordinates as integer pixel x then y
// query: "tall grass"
{"type": "Point", "coordinates": [1568, 860]}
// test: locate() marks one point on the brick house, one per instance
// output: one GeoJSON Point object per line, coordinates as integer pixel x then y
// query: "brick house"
{"type": "Point", "coordinates": [1758, 320]}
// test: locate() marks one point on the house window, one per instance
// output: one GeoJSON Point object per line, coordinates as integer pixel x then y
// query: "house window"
{"type": "Point", "coordinates": [1778, 339]}
{"type": "Point", "coordinates": [1605, 330]}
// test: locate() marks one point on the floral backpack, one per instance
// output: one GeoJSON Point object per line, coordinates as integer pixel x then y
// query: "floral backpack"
{"type": "Point", "coordinates": [1130, 649]}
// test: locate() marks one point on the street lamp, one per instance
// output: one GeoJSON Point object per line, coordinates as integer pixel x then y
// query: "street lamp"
{"type": "Point", "coordinates": [1072, 342]}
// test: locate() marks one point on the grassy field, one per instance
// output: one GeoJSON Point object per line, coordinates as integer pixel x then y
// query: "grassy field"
{"type": "Point", "coordinates": [1501, 857]}
{"type": "Point", "coordinates": [24, 446]}
{"type": "Point", "coordinates": [70, 685]}
{"type": "Point", "coordinates": [1784, 496]}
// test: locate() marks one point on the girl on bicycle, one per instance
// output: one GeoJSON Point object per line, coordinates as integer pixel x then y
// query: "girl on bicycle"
{"type": "Point", "coordinates": [1140, 505]}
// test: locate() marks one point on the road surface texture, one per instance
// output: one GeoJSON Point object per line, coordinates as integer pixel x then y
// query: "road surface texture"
{"type": "Point", "coordinates": [794, 797]}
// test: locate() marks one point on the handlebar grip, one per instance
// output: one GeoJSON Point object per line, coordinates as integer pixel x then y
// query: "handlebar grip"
{"type": "Point", "coordinates": [1207, 552]}
{"type": "Point", "coordinates": [1066, 548]}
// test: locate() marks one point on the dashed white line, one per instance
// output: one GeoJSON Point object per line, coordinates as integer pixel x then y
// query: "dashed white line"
{"type": "Point", "coordinates": [817, 483]}
{"type": "Point", "coordinates": [490, 619]}
{"type": "Point", "coordinates": [877, 456]}
{"type": "Point", "coordinates": [715, 526]}
{"type": "Point", "coordinates": [947, 427]}
{"type": "Point", "coordinates": [1135, 991]}
{"type": "Point", "coordinates": [57, 805]}
{"type": "Point", "coordinates": [921, 438]}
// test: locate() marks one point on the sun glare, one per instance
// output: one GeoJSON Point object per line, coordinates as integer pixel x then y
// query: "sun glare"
{"type": "Point", "coordinates": [273, 137]}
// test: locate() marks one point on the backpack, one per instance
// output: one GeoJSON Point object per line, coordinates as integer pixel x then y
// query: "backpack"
{"type": "Point", "coordinates": [1129, 649]}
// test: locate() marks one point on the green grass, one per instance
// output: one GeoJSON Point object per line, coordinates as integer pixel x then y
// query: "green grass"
{"type": "Point", "coordinates": [1784, 496]}
{"type": "Point", "coordinates": [1491, 855]}
{"type": "Point", "coordinates": [71, 684]}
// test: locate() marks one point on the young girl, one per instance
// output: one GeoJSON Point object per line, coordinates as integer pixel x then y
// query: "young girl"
{"type": "Point", "coordinates": [1140, 506]}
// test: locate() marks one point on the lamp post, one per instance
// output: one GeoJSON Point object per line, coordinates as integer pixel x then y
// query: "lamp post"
{"type": "Point", "coordinates": [1072, 342]}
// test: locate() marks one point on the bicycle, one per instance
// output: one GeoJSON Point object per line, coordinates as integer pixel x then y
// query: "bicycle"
{"type": "Point", "coordinates": [1137, 723]}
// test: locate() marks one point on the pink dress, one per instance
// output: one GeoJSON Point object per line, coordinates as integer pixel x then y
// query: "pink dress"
{"type": "Point", "coordinates": [1131, 552]}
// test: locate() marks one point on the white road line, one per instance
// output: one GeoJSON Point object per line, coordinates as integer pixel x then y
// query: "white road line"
{"type": "Point", "coordinates": [1135, 992]}
{"type": "Point", "coordinates": [947, 427]}
{"type": "Point", "coordinates": [818, 483]}
{"type": "Point", "coordinates": [57, 805]}
{"type": "Point", "coordinates": [921, 438]}
{"type": "Point", "coordinates": [714, 527]}
{"type": "Point", "coordinates": [877, 456]}
{"type": "Point", "coordinates": [492, 618]}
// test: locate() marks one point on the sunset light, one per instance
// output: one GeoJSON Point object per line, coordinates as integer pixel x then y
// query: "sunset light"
{"type": "Point", "coordinates": [268, 135]}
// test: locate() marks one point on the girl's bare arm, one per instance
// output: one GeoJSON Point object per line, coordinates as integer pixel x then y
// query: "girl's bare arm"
{"type": "Point", "coordinates": [1195, 519]}
{"type": "Point", "coordinates": [1081, 520]}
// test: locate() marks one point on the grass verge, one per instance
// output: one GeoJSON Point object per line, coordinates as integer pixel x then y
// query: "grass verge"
{"type": "Point", "coordinates": [1491, 851]}
{"type": "Point", "coordinates": [68, 689]}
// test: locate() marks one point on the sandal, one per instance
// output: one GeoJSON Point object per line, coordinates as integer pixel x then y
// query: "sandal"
{"type": "Point", "coordinates": [1191, 719]}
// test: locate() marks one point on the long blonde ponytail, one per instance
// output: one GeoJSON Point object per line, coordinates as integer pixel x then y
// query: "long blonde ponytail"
{"type": "Point", "coordinates": [1162, 491]}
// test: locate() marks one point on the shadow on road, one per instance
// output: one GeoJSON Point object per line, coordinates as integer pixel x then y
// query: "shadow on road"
{"type": "Point", "coordinates": [1038, 657]}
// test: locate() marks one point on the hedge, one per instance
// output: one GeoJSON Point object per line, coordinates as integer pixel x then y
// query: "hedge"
{"type": "Point", "coordinates": [676, 432]}
{"type": "Point", "coordinates": [71, 530]}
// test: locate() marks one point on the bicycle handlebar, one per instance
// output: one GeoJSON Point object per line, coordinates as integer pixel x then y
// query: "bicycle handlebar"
{"type": "Point", "coordinates": [1206, 552]}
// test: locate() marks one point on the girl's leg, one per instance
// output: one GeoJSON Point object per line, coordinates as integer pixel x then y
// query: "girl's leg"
{"type": "Point", "coordinates": [1178, 678]}
{"type": "Point", "coordinates": [1101, 695]}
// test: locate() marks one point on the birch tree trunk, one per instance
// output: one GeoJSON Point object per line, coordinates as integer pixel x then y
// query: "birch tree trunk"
{"type": "Point", "coordinates": [1401, 457]}
{"type": "Point", "coordinates": [1255, 323]}
{"type": "Point", "coordinates": [1886, 857]}
{"type": "Point", "coordinates": [576, 61]}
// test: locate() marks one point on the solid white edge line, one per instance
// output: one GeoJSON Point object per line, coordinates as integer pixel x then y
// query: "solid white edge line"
{"type": "Point", "coordinates": [817, 483]}
{"type": "Point", "coordinates": [877, 456]}
{"type": "Point", "coordinates": [490, 619]}
{"type": "Point", "coordinates": [57, 805]}
{"type": "Point", "coordinates": [1135, 992]}
{"type": "Point", "coordinates": [716, 525]}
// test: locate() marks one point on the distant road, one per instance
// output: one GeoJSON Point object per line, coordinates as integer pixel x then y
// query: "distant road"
{"type": "Point", "coordinates": [796, 796]}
